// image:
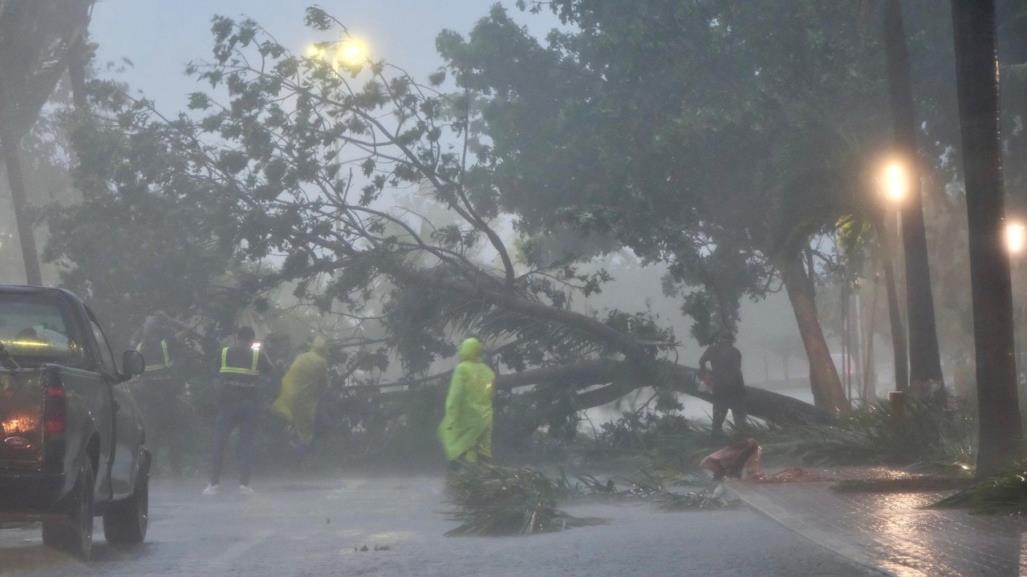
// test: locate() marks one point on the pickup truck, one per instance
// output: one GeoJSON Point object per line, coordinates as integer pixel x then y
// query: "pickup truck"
{"type": "Point", "coordinates": [72, 446]}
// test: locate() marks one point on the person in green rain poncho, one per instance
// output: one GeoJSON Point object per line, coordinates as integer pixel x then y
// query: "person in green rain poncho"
{"type": "Point", "coordinates": [466, 430]}
{"type": "Point", "coordinates": [302, 387]}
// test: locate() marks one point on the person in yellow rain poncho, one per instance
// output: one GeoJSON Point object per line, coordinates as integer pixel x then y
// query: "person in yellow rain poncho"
{"type": "Point", "coordinates": [466, 430]}
{"type": "Point", "coordinates": [302, 387]}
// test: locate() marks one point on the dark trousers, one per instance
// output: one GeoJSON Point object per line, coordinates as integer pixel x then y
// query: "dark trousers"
{"type": "Point", "coordinates": [158, 395]}
{"type": "Point", "coordinates": [231, 414]}
{"type": "Point", "coordinates": [720, 407]}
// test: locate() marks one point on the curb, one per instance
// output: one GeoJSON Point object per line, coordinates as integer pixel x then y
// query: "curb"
{"type": "Point", "coordinates": [839, 544]}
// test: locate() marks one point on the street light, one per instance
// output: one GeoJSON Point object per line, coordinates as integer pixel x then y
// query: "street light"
{"type": "Point", "coordinates": [352, 52]}
{"type": "Point", "coordinates": [895, 182]}
{"type": "Point", "coordinates": [314, 52]}
{"type": "Point", "coordinates": [1015, 237]}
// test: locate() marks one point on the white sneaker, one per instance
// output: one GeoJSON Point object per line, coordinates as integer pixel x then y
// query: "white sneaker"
{"type": "Point", "coordinates": [211, 490]}
{"type": "Point", "coordinates": [246, 490]}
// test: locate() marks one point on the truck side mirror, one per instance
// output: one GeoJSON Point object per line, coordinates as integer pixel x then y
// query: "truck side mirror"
{"type": "Point", "coordinates": [132, 364]}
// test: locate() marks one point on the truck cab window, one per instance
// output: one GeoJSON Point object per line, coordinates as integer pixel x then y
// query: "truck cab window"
{"type": "Point", "coordinates": [106, 356]}
{"type": "Point", "coordinates": [34, 331]}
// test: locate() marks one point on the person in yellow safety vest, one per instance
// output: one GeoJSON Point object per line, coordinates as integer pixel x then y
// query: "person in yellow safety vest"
{"type": "Point", "coordinates": [302, 387]}
{"type": "Point", "coordinates": [466, 430]}
{"type": "Point", "coordinates": [242, 370]}
{"type": "Point", "coordinates": [159, 389]}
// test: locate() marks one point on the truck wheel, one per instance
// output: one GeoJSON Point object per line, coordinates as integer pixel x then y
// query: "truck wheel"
{"type": "Point", "coordinates": [74, 533]}
{"type": "Point", "coordinates": [125, 521]}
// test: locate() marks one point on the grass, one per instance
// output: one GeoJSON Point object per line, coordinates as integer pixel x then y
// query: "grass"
{"type": "Point", "coordinates": [1005, 494]}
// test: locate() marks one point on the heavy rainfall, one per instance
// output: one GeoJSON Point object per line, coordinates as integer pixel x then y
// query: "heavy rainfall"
{"type": "Point", "coordinates": [524, 288]}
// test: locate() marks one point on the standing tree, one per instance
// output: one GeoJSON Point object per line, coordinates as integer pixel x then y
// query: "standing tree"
{"type": "Point", "coordinates": [38, 39]}
{"type": "Point", "coordinates": [925, 376]}
{"type": "Point", "coordinates": [722, 139]}
{"type": "Point", "coordinates": [167, 240]}
{"type": "Point", "coordinates": [1001, 431]}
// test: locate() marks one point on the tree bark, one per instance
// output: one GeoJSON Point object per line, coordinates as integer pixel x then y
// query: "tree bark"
{"type": "Point", "coordinates": [925, 376]}
{"type": "Point", "coordinates": [639, 368]}
{"type": "Point", "coordinates": [77, 74]}
{"type": "Point", "coordinates": [1001, 431]}
{"type": "Point", "coordinates": [618, 378]}
{"type": "Point", "coordinates": [827, 387]}
{"type": "Point", "coordinates": [16, 182]}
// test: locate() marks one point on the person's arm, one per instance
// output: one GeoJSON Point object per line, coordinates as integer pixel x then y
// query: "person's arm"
{"type": "Point", "coordinates": [217, 361]}
{"type": "Point", "coordinates": [264, 365]}
{"type": "Point", "coordinates": [736, 360]}
{"type": "Point", "coordinates": [140, 335]}
{"type": "Point", "coordinates": [183, 328]}
{"type": "Point", "coordinates": [455, 396]}
{"type": "Point", "coordinates": [324, 374]}
{"type": "Point", "coordinates": [705, 359]}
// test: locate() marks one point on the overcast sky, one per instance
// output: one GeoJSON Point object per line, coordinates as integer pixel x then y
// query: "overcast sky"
{"type": "Point", "coordinates": [161, 36]}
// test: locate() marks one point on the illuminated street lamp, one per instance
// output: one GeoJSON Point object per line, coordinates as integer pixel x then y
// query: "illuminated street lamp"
{"type": "Point", "coordinates": [314, 51]}
{"type": "Point", "coordinates": [352, 52]}
{"type": "Point", "coordinates": [895, 182]}
{"type": "Point", "coordinates": [1015, 238]}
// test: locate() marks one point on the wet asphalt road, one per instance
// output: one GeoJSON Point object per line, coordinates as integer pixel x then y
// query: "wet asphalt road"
{"type": "Point", "coordinates": [315, 529]}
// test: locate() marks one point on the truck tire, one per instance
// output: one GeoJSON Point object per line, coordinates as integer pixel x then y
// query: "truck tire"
{"type": "Point", "coordinates": [74, 533]}
{"type": "Point", "coordinates": [125, 522]}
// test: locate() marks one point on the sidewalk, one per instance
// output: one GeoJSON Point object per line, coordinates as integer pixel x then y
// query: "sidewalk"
{"type": "Point", "coordinates": [888, 532]}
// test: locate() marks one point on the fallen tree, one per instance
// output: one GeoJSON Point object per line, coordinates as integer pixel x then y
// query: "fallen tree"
{"type": "Point", "coordinates": [596, 383]}
{"type": "Point", "coordinates": [282, 151]}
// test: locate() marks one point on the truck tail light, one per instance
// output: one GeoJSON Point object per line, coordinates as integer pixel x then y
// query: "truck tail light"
{"type": "Point", "coordinates": [55, 411]}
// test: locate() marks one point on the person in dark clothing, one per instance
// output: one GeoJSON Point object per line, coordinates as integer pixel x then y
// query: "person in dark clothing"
{"type": "Point", "coordinates": [242, 369]}
{"type": "Point", "coordinates": [723, 363]}
{"type": "Point", "coordinates": [159, 390]}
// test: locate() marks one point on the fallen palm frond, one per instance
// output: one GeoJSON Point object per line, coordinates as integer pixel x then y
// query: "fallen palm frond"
{"type": "Point", "coordinates": [653, 486]}
{"type": "Point", "coordinates": [875, 434]}
{"type": "Point", "coordinates": [694, 500]}
{"type": "Point", "coordinates": [498, 501]}
{"type": "Point", "coordinates": [1003, 494]}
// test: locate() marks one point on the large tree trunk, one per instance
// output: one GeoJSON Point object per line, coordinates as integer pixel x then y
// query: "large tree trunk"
{"type": "Point", "coordinates": [827, 387]}
{"type": "Point", "coordinates": [77, 60]}
{"type": "Point", "coordinates": [1001, 431]}
{"type": "Point", "coordinates": [599, 382]}
{"type": "Point", "coordinates": [16, 181]}
{"type": "Point", "coordinates": [925, 376]}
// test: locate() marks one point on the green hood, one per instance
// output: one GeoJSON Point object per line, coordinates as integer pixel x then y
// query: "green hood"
{"type": "Point", "coordinates": [470, 350]}
{"type": "Point", "coordinates": [320, 345]}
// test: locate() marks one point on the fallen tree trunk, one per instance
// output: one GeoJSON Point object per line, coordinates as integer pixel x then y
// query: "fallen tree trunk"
{"type": "Point", "coordinates": [615, 379]}
{"type": "Point", "coordinates": [637, 370]}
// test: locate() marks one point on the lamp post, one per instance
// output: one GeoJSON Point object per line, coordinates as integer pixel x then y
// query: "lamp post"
{"type": "Point", "coordinates": [1015, 238]}
{"type": "Point", "coordinates": [893, 185]}
{"type": "Point", "coordinates": [895, 182]}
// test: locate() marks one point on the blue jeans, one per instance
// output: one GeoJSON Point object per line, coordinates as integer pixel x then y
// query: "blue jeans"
{"type": "Point", "coordinates": [231, 414]}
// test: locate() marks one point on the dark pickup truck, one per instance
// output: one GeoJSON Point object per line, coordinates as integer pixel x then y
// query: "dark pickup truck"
{"type": "Point", "coordinates": [71, 443]}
